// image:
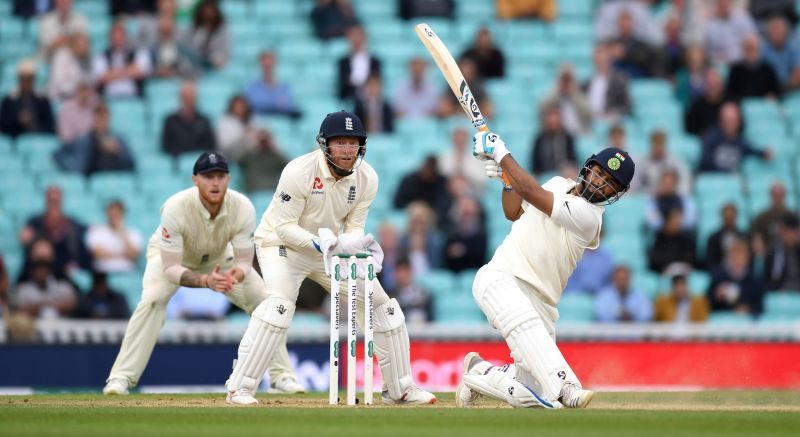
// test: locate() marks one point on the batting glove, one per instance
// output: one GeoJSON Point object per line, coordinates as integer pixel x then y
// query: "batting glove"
{"type": "Point", "coordinates": [494, 171]}
{"type": "Point", "coordinates": [488, 145]}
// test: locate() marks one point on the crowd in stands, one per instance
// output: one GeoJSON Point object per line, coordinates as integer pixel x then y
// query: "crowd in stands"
{"type": "Point", "coordinates": [715, 55]}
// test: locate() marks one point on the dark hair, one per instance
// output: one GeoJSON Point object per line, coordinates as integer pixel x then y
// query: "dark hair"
{"type": "Point", "coordinates": [235, 98]}
{"type": "Point", "coordinates": [678, 279]}
{"type": "Point", "coordinates": [197, 18]}
{"type": "Point", "coordinates": [115, 202]}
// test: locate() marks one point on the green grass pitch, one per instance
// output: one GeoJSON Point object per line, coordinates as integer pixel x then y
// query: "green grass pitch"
{"type": "Point", "coordinates": [723, 413]}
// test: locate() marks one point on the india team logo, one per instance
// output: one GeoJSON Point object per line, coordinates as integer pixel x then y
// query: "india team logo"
{"type": "Point", "coordinates": [613, 163]}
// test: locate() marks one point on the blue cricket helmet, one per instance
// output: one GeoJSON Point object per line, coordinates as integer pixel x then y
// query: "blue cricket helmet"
{"type": "Point", "coordinates": [618, 164]}
{"type": "Point", "coordinates": [342, 124]}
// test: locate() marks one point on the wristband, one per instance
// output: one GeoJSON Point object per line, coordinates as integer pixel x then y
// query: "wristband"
{"type": "Point", "coordinates": [507, 187]}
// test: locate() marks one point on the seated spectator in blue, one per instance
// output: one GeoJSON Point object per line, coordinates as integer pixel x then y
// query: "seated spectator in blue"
{"type": "Point", "coordinates": [197, 304]}
{"type": "Point", "coordinates": [620, 302]}
{"type": "Point", "coordinates": [267, 95]}
{"type": "Point", "coordinates": [782, 263]}
{"type": "Point", "coordinates": [487, 56]}
{"type": "Point", "coordinates": [690, 77]}
{"type": "Point", "coordinates": [782, 52]}
{"type": "Point", "coordinates": [24, 110]}
{"type": "Point", "coordinates": [727, 234]}
{"type": "Point", "coordinates": [373, 108]}
{"type": "Point", "coordinates": [64, 233]}
{"type": "Point", "coordinates": [703, 111]}
{"type": "Point", "coordinates": [115, 246]}
{"type": "Point", "coordinates": [553, 146]}
{"type": "Point", "coordinates": [102, 302]}
{"type": "Point", "coordinates": [206, 42]}
{"type": "Point", "coordinates": [467, 240]}
{"type": "Point", "coordinates": [187, 130]}
{"type": "Point", "coordinates": [417, 95]}
{"type": "Point", "coordinates": [752, 77]}
{"type": "Point", "coordinates": [120, 71]}
{"type": "Point", "coordinates": [593, 271]}
{"type": "Point", "coordinates": [43, 295]}
{"type": "Point", "coordinates": [724, 146]}
{"type": "Point", "coordinates": [332, 18]}
{"type": "Point", "coordinates": [666, 199]}
{"type": "Point", "coordinates": [673, 246]}
{"type": "Point", "coordinates": [415, 300]}
{"type": "Point", "coordinates": [678, 306]}
{"type": "Point", "coordinates": [98, 151]}
{"type": "Point", "coordinates": [421, 243]}
{"type": "Point", "coordinates": [725, 30]}
{"type": "Point", "coordinates": [734, 286]}
{"type": "Point", "coordinates": [632, 55]}
{"type": "Point", "coordinates": [651, 166]}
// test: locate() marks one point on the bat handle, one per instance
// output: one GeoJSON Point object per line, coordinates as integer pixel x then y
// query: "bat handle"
{"type": "Point", "coordinates": [506, 181]}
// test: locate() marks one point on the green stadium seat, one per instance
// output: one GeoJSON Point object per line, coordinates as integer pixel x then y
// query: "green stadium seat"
{"type": "Point", "coordinates": [729, 318]}
{"type": "Point", "coordinates": [782, 303]}
{"type": "Point", "coordinates": [647, 282]}
{"type": "Point", "coordinates": [35, 146]}
{"type": "Point", "coordinates": [71, 183]}
{"type": "Point", "coordinates": [6, 147]}
{"type": "Point", "coordinates": [129, 284]}
{"type": "Point", "coordinates": [457, 309]}
{"type": "Point", "coordinates": [698, 282]}
{"type": "Point", "coordinates": [107, 186]}
{"type": "Point", "coordinates": [437, 282]}
{"type": "Point", "coordinates": [576, 307]}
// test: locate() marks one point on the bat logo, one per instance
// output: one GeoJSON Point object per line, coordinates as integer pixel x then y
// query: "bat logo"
{"type": "Point", "coordinates": [467, 101]}
{"type": "Point", "coordinates": [428, 31]}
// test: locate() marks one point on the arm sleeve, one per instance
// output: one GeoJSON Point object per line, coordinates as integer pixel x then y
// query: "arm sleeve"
{"type": "Point", "coordinates": [171, 245]}
{"type": "Point", "coordinates": [285, 210]}
{"type": "Point", "coordinates": [577, 215]}
{"type": "Point", "coordinates": [243, 245]}
{"type": "Point", "coordinates": [356, 220]}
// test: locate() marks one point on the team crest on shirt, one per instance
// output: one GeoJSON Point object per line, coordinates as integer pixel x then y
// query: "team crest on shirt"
{"type": "Point", "coordinates": [351, 195]}
{"type": "Point", "coordinates": [164, 233]}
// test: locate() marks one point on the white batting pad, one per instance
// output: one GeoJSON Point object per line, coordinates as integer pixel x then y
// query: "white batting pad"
{"type": "Point", "coordinates": [393, 348]}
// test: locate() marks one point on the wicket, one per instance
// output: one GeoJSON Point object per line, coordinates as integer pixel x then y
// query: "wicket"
{"type": "Point", "coordinates": [352, 289]}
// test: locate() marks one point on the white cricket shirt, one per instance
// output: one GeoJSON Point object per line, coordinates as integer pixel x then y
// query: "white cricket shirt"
{"type": "Point", "coordinates": [542, 250]}
{"type": "Point", "coordinates": [186, 226]}
{"type": "Point", "coordinates": [308, 197]}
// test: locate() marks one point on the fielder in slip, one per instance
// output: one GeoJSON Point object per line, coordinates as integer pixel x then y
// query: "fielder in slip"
{"type": "Point", "coordinates": [319, 209]}
{"type": "Point", "coordinates": [521, 286]}
{"type": "Point", "coordinates": [205, 240]}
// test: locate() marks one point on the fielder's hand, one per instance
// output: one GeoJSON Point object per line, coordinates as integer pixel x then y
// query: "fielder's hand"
{"type": "Point", "coordinates": [220, 282]}
{"type": "Point", "coordinates": [488, 145]}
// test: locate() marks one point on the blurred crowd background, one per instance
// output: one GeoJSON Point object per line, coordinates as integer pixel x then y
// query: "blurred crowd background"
{"type": "Point", "coordinates": [107, 104]}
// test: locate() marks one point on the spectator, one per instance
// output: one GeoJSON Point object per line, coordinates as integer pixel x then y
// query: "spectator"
{"type": "Point", "coordinates": [76, 116]}
{"type": "Point", "coordinates": [187, 130]}
{"type": "Point", "coordinates": [373, 108]}
{"type": "Point", "coordinates": [544, 10]}
{"type": "Point", "coordinates": [679, 306]}
{"type": "Point", "coordinates": [417, 95]}
{"type": "Point", "coordinates": [237, 137]}
{"type": "Point", "coordinates": [65, 235]}
{"type": "Point", "coordinates": [690, 78]}
{"type": "Point", "coordinates": [763, 11]}
{"type": "Point", "coordinates": [458, 186]}
{"type": "Point", "coordinates": [607, 89]}
{"type": "Point", "coordinates": [631, 54]}
{"type": "Point", "coordinates": [120, 70]}
{"type": "Point", "coordinates": [782, 263]}
{"type": "Point", "coordinates": [409, 9]}
{"type": "Point", "coordinates": [673, 248]}
{"type": "Point", "coordinates": [114, 245]}
{"type": "Point", "coordinates": [415, 300]}
{"type": "Point", "coordinates": [617, 137]}
{"type": "Point", "coordinates": [752, 76]}
{"type": "Point", "coordinates": [206, 41]}
{"type": "Point", "coordinates": [673, 48]}
{"type": "Point", "coordinates": [606, 21]}
{"type": "Point", "coordinates": [725, 32]}
{"type": "Point", "coordinates": [425, 184]}
{"type": "Point", "coordinates": [488, 58]}
{"type": "Point", "coordinates": [459, 160]}
{"type": "Point", "coordinates": [421, 243]}
{"type": "Point", "coordinates": [197, 304]}
{"type": "Point", "coordinates": [389, 241]}
{"type": "Point", "coordinates": [733, 285]}
{"type": "Point", "coordinates": [55, 27]}
{"type": "Point", "coordinates": [356, 67]}
{"type": "Point", "coordinates": [666, 199]}
{"type": "Point", "coordinates": [23, 110]}
{"type": "Point", "coordinates": [149, 22]}
{"type": "Point", "coordinates": [71, 65]}
{"type": "Point", "coordinates": [576, 111]}
{"type": "Point", "coordinates": [593, 271]}
{"type": "Point", "coordinates": [122, 8]}
{"type": "Point", "coordinates": [166, 54]}
{"type": "Point", "coordinates": [99, 150]}
{"type": "Point", "coordinates": [262, 167]}
{"type": "Point", "coordinates": [782, 53]}
{"type": "Point", "coordinates": [27, 9]}
{"type": "Point", "coordinates": [4, 311]}
{"type": "Point", "coordinates": [467, 240]}
{"type": "Point", "coordinates": [448, 103]}
{"type": "Point", "coordinates": [703, 112]}
{"type": "Point", "coordinates": [724, 147]}
{"type": "Point", "coordinates": [43, 295]}
{"type": "Point", "coordinates": [266, 95]}
{"type": "Point", "coordinates": [553, 146]}
{"type": "Point", "coordinates": [652, 166]}
{"type": "Point", "coordinates": [765, 226]}
{"type": "Point", "coordinates": [332, 18]}
{"type": "Point", "coordinates": [721, 240]}
{"type": "Point", "coordinates": [620, 302]}
{"type": "Point", "coordinates": [102, 302]}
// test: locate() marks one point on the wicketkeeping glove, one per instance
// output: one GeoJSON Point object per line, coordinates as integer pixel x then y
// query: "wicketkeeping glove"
{"type": "Point", "coordinates": [353, 243]}
{"type": "Point", "coordinates": [328, 244]}
{"type": "Point", "coordinates": [488, 145]}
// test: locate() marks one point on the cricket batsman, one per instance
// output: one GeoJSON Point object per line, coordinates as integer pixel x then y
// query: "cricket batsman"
{"type": "Point", "coordinates": [320, 208]}
{"type": "Point", "coordinates": [521, 286]}
{"type": "Point", "coordinates": [205, 240]}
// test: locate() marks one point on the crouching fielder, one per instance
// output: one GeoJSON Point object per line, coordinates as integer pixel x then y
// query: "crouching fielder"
{"type": "Point", "coordinates": [205, 240]}
{"type": "Point", "coordinates": [331, 188]}
{"type": "Point", "coordinates": [521, 286]}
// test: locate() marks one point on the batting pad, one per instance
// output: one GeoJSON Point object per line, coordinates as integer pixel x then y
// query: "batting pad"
{"type": "Point", "coordinates": [499, 383]}
{"type": "Point", "coordinates": [265, 333]}
{"type": "Point", "coordinates": [393, 348]}
{"type": "Point", "coordinates": [520, 323]}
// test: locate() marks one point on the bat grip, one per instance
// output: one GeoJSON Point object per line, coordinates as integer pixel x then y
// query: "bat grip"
{"type": "Point", "coordinates": [506, 181]}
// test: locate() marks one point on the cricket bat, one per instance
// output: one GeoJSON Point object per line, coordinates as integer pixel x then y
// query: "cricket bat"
{"type": "Point", "coordinates": [447, 65]}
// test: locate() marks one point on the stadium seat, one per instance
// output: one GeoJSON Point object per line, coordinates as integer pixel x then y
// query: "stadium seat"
{"type": "Point", "coordinates": [106, 186]}
{"type": "Point", "coordinates": [782, 303]}
{"type": "Point", "coordinates": [576, 308]}
{"type": "Point", "coordinates": [729, 318]}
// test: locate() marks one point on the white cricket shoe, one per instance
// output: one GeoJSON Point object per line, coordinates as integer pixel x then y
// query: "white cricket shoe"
{"type": "Point", "coordinates": [466, 397]}
{"type": "Point", "coordinates": [286, 385]}
{"type": "Point", "coordinates": [412, 396]}
{"type": "Point", "coordinates": [242, 396]}
{"type": "Point", "coordinates": [116, 386]}
{"type": "Point", "coordinates": [573, 396]}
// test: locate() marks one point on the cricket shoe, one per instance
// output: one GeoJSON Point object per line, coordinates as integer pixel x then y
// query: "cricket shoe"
{"type": "Point", "coordinates": [116, 386]}
{"type": "Point", "coordinates": [573, 396]}
{"type": "Point", "coordinates": [466, 397]}
{"type": "Point", "coordinates": [242, 396]}
{"type": "Point", "coordinates": [413, 395]}
{"type": "Point", "coordinates": [286, 385]}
